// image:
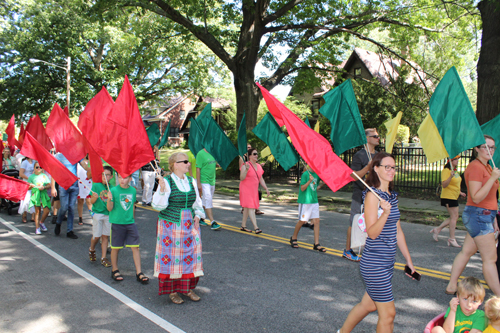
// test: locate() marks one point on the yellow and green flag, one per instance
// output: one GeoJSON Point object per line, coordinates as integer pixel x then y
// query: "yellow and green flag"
{"type": "Point", "coordinates": [392, 131]}
{"type": "Point", "coordinates": [431, 141]}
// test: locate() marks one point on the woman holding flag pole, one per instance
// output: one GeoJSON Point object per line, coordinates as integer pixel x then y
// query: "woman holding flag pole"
{"type": "Point", "coordinates": [479, 218]}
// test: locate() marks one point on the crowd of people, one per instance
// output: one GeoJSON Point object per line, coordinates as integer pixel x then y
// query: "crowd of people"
{"type": "Point", "coordinates": [184, 199]}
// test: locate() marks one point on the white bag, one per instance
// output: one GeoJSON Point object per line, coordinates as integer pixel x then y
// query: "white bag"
{"type": "Point", "coordinates": [358, 229]}
{"type": "Point", "coordinates": [25, 204]}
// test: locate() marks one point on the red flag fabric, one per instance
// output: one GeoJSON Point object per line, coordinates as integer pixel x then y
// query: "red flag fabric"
{"type": "Point", "coordinates": [115, 130]}
{"type": "Point", "coordinates": [13, 189]}
{"type": "Point", "coordinates": [95, 163]}
{"type": "Point", "coordinates": [34, 150]}
{"type": "Point", "coordinates": [66, 137]}
{"type": "Point", "coordinates": [66, 110]}
{"type": "Point", "coordinates": [36, 129]}
{"type": "Point", "coordinates": [11, 132]}
{"type": "Point", "coordinates": [21, 135]}
{"type": "Point", "coordinates": [312, 146]}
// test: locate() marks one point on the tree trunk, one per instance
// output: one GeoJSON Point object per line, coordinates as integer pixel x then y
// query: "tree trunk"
{"type": "Point", "coordinates": [248, 96]}
{"type": "Point", "coordinates": [488, 66]}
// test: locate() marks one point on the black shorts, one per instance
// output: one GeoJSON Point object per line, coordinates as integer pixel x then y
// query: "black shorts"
{"type": "Point", "coordinates": [124, 235]}
{"type": "Point", "coordinates": [56, 198]}
{"type": "Point", "coordinates": [450, 202]}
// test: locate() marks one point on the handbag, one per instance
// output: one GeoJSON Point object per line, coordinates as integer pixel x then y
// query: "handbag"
{"type": "Point", "coordinates": [260, 195]}
{"type": "Point", "coordinates": [358, 228]}
{"type": "Point", "coordinates": [260, 192]}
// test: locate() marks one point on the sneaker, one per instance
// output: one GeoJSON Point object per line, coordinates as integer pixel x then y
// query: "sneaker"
{"type": "Point", "coordinates": [38, 232]}
{"type": "Point", "coordinates": [202, 222]}
{"type": "Point", "coordinates": [43, 227]}
{"type": "Point", "coordinates": [91, 212]}
{"type": "Point", "coordinates": [350, 255]}
{"type": "Point", "coordinates": [71, 235]}
{"type": "Point", "coordinates": [215, 226]}
{"type": "Point", "coordinates": [57, 230]}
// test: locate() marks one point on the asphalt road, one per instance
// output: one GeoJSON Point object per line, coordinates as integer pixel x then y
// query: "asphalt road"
{"type": "Point", "coordinates": [251, 283]}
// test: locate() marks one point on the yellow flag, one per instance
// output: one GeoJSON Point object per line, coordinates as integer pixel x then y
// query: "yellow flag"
{"type": "Point", "coordinates": [431, 141]}
{"type": "Point", "coordinates": [316, 127]}
{"type": "Point", "coordinates": [392, 131]}
{"type": "Point", "coordinates": [265, 152]}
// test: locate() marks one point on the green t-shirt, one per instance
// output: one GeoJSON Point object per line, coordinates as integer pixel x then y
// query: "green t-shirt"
{"type": "Point", "coordinates": [38, 180]}
{"type": "Point", "coordinates": [192, 160]}
{"type": "Point", "coordinates": [207, 164]}
{"type": "Point", "coordinates": [310, 195]}
{"type": "Point", "coordinates": [99, 205]}
{"type": "Point", "coordinates": [465, 323]}
{"type": "Point", "coordinates": [123, 205]}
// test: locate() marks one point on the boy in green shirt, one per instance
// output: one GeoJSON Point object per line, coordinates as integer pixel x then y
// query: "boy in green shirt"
{"type": "Point", "coordinates": [205, 177]}
{"type": "Point", "coordinates": [123, 229]}
{"type": "Point", "coordinates": [308, 207]}
{"type": "Point", "coordinates": [101, 227]}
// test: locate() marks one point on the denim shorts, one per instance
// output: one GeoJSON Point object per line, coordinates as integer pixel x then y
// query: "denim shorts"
{"type": "Point", "coordinates": [478, 221]}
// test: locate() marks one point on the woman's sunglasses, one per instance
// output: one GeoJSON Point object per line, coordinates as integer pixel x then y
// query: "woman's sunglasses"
{"type": "Point", "coordinates": [185, 162]}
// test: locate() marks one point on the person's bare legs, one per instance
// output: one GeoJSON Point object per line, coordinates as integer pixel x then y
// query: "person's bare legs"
{"type": "Point", "coordinates": [209, 213]}
{"type": "Point", "coordinates": [298, 226]}
{"type": "Point", "coordinates": [45, 213]}
{"type": "Point", "coordinates": [487, 248]}
{"type": "Point", "coordinates": [348, 240]}
{"type": "Point", "coordinates": [469, 248]}
{"type": "Point", "coordinates": [251, 214]}
{"type": "Point", "coordinates": [358, 313]}
{"type": "Point", "coordinates": [37, 217]}
{"type": "Point", "coordinates": [453, 211]}
{"type": "Point", "coordinates": [386, 315]}
{"type": "Point", "coordinates": [245, 217]}
{"type": "Point", "coordinates": [137, 259]}
{"type": "Point", "coordinates": [80, 207]}
{"type": "Point", "coordinates": [89, 204]}
{"type": "Point", "coordinates": [114, 259]}
{"type": "Point", "coordinates": [315, 222]}
{"type": "Point", "coordinates": [93, 243]}
{"type": "Point", "coordinates": [104, 245]}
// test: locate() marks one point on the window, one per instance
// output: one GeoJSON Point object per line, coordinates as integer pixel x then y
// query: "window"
{"type": "Point", "coordinates": [357, 71]}
{"type": "Point", "coordinates": [182, 114]}
{"type": "Point", "coordinates": [174, 132]}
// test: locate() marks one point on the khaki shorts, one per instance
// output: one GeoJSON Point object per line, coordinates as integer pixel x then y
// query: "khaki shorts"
{"type": "Point", "coordinates": [100, 225]}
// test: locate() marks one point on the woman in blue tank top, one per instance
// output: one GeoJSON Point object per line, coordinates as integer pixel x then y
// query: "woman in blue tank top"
{"type": "Point", "coordinates": [384, 233]}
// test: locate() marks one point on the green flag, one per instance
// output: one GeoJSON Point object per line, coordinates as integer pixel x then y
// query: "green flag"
{"type": "Point", "coordinates": [453, 115]}
{"type": "Point", "coordinates": [307, 122]}
{"type": "Point", "coordinates": [166, 134]}
{"type": "Point", "coordinates": [342, 110]}
{"type": "Point", "coordinates": [204, 117]}
{"type": "Point", "coordinates": [195, 137]}
{"type": "Point", "coordinates": [5, 137]}
{"type": "Point", "coordinates": [242, 136]}
{"type": "Point", "coordinates": [269, 132]}
{"type": "Point", "coordinates": [492, 128]}
{"type": "Point", "coordinates": [153, 134]}
{"type": "Point", "coordinates": [218, 144]}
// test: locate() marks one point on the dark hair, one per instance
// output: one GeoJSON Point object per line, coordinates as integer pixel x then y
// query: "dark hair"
{"type": "Point", "coordinates": [110, 169]}
{"type": "Point", "coordinates": [447, 165]}
{"type": "Point", "coordinates": [250, 151]}
{"type": "Point", "coordinates": [372, 179]}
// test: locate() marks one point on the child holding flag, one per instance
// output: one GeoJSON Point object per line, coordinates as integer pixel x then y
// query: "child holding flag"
{"type": "Point", "coordinates": [39, 197]}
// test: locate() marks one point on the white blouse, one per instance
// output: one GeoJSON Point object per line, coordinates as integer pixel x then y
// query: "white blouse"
{"type": "Point", "coordinates": [160, 199]}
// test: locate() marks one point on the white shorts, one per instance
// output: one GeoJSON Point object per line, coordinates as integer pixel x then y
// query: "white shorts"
{"type": "Point", "coordinates": [207, 195]}
{"type": "Point", "coordinates": [100, 225]}
{"type": "Point", "coordinates": [308, 212]}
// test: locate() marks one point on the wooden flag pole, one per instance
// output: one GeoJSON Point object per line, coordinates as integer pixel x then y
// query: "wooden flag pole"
{"type": "Point", "coordinates": [106, 179]}
{"type": "Point", "coordinates": [489, 153]}
{"type": "Point", "coordinates": [367, 152]}
{"type": "Point", "coordinates": [156, 172]}
{"type": "Point", "coordinates": [86, 186]}
{"type": "Point", "coordinates": [368, 187]}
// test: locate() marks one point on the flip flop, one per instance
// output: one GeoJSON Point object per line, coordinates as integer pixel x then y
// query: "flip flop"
{"type": "Point", "coordinates": [245, 229]}
{"type": "Point", "coordinates": [258, 231]}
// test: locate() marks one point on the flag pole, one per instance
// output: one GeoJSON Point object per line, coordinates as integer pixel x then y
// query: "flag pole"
{"type": "Point", "coordinates": [86, 186]}
{"type": "Point", "coordinates": [106, 179]}
{"type": "Point", "coordinates": [156, 172]}
{"type": "Point", "coordinates": [491, 157]}
{"type": "Point", "coordinates": [368, 187]}
{"type": "Point", "coordinates": [367, 152]}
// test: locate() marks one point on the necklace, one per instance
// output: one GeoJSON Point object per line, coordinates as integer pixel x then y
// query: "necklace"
{"type": "Point", "coordinates": [487, 167]}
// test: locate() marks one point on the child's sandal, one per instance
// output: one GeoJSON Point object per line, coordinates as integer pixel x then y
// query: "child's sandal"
{"type": "Point", "coordinates": [105, 262]}
{"type": "Point", "coordinates": [92, 255]}
{"type": "Point", "coordinates": [116, 276]}
{"type": "Point", "coordinates": [319, 248]}
{"type": "Point", "coordinates": [293, 243]}
{"type": "Point", "coordinates": [144, 279]}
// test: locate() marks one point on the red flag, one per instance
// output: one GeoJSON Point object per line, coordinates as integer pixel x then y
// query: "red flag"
{"type": "Point", "coordinates": [312, 146]}
{"type": "Point", "coordinates": [66, 111]}
{"type": "Point", "coordinates": [66, 137]}
{"type": "Point", "coordinates": [34, 150]}
{"type": "Point", "coordinates": [95, 163]}
{"type": "Point", "coordinates": [21, 135]}
{"type": "Point", "coordinates": [12, 188]}
{"type": "Point", "coordinates": [116, 131]}
{"type": "Point", "coordinates": [11, 132]}
{"type": "Point", "coordinates": [35, 128]}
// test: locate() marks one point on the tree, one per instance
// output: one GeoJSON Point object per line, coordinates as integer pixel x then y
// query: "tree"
{"type": "Point", "coordinates": [305, 32]}
{"type": "Point", "coordinates": [488, 66]}
{"type": "Point", "coordinates": [103, 49]}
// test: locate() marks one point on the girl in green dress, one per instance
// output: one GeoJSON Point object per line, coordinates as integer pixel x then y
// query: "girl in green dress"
{"type": "Point", "coordinates": [39, 197]}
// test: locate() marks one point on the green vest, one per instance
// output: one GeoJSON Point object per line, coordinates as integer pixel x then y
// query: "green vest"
{"type": "Point", "coordinates": [178, 201]}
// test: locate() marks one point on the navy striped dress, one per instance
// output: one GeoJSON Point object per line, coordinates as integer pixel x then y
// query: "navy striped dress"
{"type": "Point", "coordinates": [379, 256]}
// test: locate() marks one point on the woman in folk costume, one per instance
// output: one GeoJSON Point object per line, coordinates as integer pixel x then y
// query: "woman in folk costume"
{"type": "Point", "coordinates": [178, 258]}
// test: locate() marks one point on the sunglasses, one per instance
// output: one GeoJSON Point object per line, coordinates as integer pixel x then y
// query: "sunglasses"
{"type": "Point", "coordinates": [37, 167]}
{"type": "Point", "coordinates": [255, 154]}
{"type": "Point", "coordinates": [185, 162]}
{"type": "Point", "coordinates": [374, 136]}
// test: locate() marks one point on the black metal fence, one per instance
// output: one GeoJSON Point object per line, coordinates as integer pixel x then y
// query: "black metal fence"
{"type": "Point", "coordinates": [414, 173]}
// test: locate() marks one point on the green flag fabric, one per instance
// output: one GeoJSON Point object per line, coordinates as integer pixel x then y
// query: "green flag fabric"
{"type": "Point", "coordinates": [242, 136]}
{"type": "Point", "coordinates": [204, 117]}
{"type": "Point", "coordinates": [453, 115]}
{"type": "Point", "coordinates": [307, 122]}
{"type": "Point", "coordinates": [195, 141]}
{"type": "Point", "coordinates": [218, 144]}
{"type": "Point", "coordinates": [164, 139]}
{"type": "Point", "coordinates": [492, 128]}
{"type": "Point", "coordinates": [269, 132]}
{"type": "Point", "coordinates": [342, 110]}
{"type": "Point", "coordinates": [153, 134]}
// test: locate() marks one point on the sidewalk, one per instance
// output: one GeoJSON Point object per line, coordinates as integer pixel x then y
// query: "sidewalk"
{"type": "Point", "coordinates": [427, 206]}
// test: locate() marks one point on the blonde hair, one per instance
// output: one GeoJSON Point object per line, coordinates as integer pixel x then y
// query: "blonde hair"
{"type": "Point", "coordinates": [471, 287]}
{"type": "Point", "coordinates": [173, 158]}
{"type": "Point", "coordinates": [492, 309]}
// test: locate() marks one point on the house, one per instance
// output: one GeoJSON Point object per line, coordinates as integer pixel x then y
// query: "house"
{"type": "Point", "coordinates": [180, 109]}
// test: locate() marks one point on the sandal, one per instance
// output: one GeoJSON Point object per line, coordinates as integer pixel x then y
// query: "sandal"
{"type": "Point", "coordinates": [192, 296]}
{"type": "Point", "coordinates": [258, 231]}
{"type": "Point", "coordinates": [293, 243]}
{"type": "Point", "coordinates": [319, 248]}
{"type": "Point", "coordinates": [175, 298]}
{"type": "Point", "coordinates": [245, 229]}
{"type": "Point", "coordinates": [144, 279]}
{"type": "Point", "coordinates": [105, 262]}
{"type": "Point", "coordinates": [92, 255]}
{"type": "Point", "coordinates": [116, 276]}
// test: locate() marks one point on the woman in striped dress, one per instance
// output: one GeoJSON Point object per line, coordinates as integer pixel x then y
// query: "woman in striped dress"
{"type": "Point", "coordinates": [384, 233]}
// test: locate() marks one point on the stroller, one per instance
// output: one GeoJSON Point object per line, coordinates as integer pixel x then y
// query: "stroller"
{"type": "Point", "coordinates": [8, 205]}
